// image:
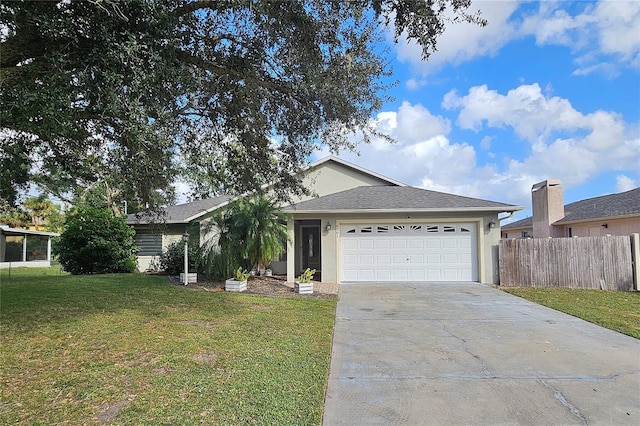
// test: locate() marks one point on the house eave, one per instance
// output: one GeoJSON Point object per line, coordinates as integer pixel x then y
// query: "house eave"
{"type": "Point", "coordinates": [411, 210]}
{"type": "Point", "coordinates": [15, 231]}
{"type": "Point", "coordinates": [563, 222]}
{"type": "Point", "coordinates": [207, 211]}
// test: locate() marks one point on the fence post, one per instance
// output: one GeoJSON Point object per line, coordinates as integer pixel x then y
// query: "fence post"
{"type": "Point", "coordinates": [635, 260]}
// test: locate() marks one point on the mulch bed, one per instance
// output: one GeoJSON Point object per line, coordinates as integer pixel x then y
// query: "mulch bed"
{"type": "Point", "coordinates": [270, 286]}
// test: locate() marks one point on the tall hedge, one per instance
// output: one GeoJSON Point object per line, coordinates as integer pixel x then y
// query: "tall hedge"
{"type": "Point", "coordinates": [95, 241]}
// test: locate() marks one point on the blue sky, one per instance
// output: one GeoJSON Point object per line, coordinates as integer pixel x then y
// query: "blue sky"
{"type": "Point", "coordinates": [547, 90]}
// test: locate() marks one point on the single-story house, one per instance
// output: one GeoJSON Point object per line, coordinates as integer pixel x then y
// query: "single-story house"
{"type": "Point", "coordinates": [613, 214]}
{"type": "Point", "coordinates": [23, 247]}
{"type": "Point", "coordinates": [361, 226]}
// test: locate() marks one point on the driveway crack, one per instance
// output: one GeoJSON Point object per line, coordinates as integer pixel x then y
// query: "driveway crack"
{"type": "Point", "coordinates": [560, 397]}
{"type": "Point", "coordinates": [463, 346]}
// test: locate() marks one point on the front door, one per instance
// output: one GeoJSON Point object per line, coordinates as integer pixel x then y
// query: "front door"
{"type": "Point", "coordinates": [311, 247]}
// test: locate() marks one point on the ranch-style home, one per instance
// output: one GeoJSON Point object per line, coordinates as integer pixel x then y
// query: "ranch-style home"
{"type": "Point", "coordinates": [613, 214]}
{"type": "Point", "coordinates": [360, 226]}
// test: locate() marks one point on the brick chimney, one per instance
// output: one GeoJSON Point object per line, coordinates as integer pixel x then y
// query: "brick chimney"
{"type": "Point", "coordinates": [548, 207]}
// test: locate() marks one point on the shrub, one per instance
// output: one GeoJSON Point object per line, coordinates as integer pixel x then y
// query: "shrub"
{"type": "Point", "coordinates": [172, 258]}
{"type": "Point", "coordinates": [95, 241]}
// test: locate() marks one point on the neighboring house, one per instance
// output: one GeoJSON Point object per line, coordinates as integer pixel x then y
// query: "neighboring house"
{"type": "Point", "coordinates": [23, 247]}
{"type": "Point", "coordinates": [614, 214]}
{"type": "Point", "coordinates": [360, 226]}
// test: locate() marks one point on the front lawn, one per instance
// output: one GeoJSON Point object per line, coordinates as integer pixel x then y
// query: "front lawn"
{"type": "Point", "coordinates": [617, 310]}
{"type": "Point", "coordinates": [133, 349]}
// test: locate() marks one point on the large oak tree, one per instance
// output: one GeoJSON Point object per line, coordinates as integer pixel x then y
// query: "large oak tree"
{"type": "Point", "coordinates": [129, 95]}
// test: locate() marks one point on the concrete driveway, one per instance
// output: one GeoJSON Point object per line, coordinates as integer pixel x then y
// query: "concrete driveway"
{"type": "Point", "coordinates": [469, 354]}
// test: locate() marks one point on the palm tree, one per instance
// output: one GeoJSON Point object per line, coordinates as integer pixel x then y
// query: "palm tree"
{"type": "Point", "coordinates": [262, 227]}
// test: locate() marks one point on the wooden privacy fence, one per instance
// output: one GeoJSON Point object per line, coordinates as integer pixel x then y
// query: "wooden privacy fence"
{"type": "Point", "coordinates": [588, 262]}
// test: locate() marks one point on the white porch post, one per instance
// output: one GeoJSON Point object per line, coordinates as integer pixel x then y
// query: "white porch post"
{"type": "Point", "coordinates": [291, 252]}
{"type": "Point", "coordinates": [49, 249]}
{"type": "Point", "coordinates": [24, 249]}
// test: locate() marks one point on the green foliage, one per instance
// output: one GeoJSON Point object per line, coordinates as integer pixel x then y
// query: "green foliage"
{"type": "Point", "coordinates": [15, 217]}
{"type": "Point", "coordinates": [251, 232]}
{"type": "Point", "coordinates": [122, 94]}
{"type": "Point", "coordinates": [95, 241]}
{"type": "Point", "coordinates": [262, 227]}
{"type": "Point", "coordinates": [242, 274]}
{"type": "Point", "coordinates": [172, 259]}
{"type": "Point", "coordinates": [307, 275]}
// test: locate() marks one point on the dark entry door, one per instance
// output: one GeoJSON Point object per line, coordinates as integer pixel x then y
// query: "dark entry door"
{"type": "Point", "coordinates": [311, 248]}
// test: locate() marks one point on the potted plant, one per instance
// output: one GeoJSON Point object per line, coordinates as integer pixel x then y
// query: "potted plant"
{"type": "Point", "coordinates": [239, 282]}
{"type": "Point", "coordinates": [268, 272]}
{"type": "Point", "coordinates": [303, 284]}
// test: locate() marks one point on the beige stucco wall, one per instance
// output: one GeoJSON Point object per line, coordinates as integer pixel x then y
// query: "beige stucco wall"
{"type": "Point", "coordinates": [592, 228]}
{"type": "Point", "coordinates": [625, 226]}
{"type": "Point", "coordinates": [331, 177]}
{"type": "Point", "coordinates": [330, 243]}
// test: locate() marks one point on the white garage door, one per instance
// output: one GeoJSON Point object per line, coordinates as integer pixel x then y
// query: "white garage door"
{"type": "Point", "coordinates": [409, 252]}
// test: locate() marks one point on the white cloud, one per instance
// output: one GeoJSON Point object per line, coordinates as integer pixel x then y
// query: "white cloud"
{"type": "Point", "coordinates": [559, 141]}
{"type": "Point", "coordinates": [603, 36]}
{"type": "Point", "coordinates": [462, 42]}
{"type": "Point", "coordinates": [625, 183]}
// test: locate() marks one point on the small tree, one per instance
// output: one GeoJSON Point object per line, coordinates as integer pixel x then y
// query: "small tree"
{"type": "Point", "coordinates": [250, 233]}
{"type": "Point", "coordinates": [95, 241]}
{"type": "Point", "coordinates": [263, 225]}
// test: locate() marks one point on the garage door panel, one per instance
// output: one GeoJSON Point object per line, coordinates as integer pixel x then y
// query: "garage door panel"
{"type": "Point", "coordinates": [416, 243]}
{"type": "Point", "coordinates": [383, 244]}
{"type": "Point", "coordinates": [399, 244]}
{"type": "Point", "coordinates": [416, 252]}
{"type": "Point", "coordinates": [384, 274]}
{"type": "Point", "coordinates": [366, 259]}
{"type": "Point", "coordinates": [350, 244]}
{"type": "Point", "coordinates": [449, 243]}
{"type": "Point", "coordinates": [366, 244]}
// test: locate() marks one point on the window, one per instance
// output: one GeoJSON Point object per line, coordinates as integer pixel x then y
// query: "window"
{"type": "Point", "coordinates": [464, 229]}
{"type": "Point", "coordinates": [449, 229]}
{"type": "Point", "coordinates": [416, 229]}
{"type": "Point", "coordinates": [13, 251]}
{"type": "Point", "coordinates": [382, 229]}
{"type": "Point", "coordinates": [398, 229]}
{"type": "Point", "coordinates": [36, 247]}
{"type": "Point", "coordinates": [527, 234]}
{"type": "Point", "coordinates": [149, 243]}
{"type": "Point", "coordinates": [351, 231]}
{"type": "Point", "coordinates": [366, 230]}
{"type": "Point", "coordinates": [433, 228]}
{"type": "Point", "coordinates": [569, 232]}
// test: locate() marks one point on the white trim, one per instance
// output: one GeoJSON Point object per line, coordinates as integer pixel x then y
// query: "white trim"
{"type": "Point", "coordinates": [6, 230]}
{"type": "Point", "coordinates": [404, 210]}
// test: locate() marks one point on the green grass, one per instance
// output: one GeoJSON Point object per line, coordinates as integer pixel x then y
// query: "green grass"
{"type": "Point", "coordinates": [132, 349]}
{"type": "Point", "coordinates": [616, 310]}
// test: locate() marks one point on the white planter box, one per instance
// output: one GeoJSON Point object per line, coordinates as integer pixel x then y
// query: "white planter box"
{"type": "Point", "coordinates": [234, 285]}
{"type": "Point", "coordinates": [192, 277]}
{"type": "Point", "coordinates": [303, 288]}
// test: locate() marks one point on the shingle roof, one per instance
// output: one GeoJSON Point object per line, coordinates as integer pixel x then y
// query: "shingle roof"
{"type": "Point", "coordinates": [621, 204]}
{"type": "Point", "coordinates": [527, 222]}
{"type": "Point", "coordinates": [182, 213]}
{"type": "Point", "coordinates": [612, 205]}
{"type": "Point", "coordinates": [395, 198]}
